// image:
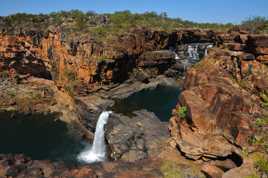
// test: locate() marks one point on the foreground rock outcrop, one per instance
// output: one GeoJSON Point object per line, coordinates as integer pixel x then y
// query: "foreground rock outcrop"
{"type": "Point", "coordinates": [223, 97]}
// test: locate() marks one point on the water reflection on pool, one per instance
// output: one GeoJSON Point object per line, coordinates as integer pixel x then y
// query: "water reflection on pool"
{"type": "Point", "coordinates": [160, 100]}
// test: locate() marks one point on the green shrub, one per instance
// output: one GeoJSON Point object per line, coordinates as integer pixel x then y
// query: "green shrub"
{"type": "Point", "coordinates": [79, 22]}
{"type": "Point", "coordinates": [261, 121]}
{"type": "Point", "coordinates": [182, 112]}
{"type": "Point", "coordinates": [262, 165]}
{"type": "Point", "coordinates": [170, 169]}
{"type": "Point", "coordinates": [264, 99]}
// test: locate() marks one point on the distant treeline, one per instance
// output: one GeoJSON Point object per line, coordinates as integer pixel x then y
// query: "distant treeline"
{"type": "Point", "coordinates": [103, 25]}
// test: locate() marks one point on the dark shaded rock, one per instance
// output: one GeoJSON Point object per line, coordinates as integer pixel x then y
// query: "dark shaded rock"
{"type": "Point", "coordinates": [90, 107]}
{"type": "Point", "coordinates": [156, 62]}
{"type": "Point", "coordinates": [258, 40]}
{"type": "Point", "coordinates": [156, 58]}
{"type": "Point", "coordinates": [135, 138]}
{"type": "Point", "coordinates": [248, 57]}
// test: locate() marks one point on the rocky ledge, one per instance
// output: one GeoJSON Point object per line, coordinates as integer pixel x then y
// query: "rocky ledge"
{"type": "Point", "coordinates": [220, 109]}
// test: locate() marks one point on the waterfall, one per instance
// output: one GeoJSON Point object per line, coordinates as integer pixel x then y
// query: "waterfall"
{"type": "Point", "coordinates": [193, 52]}
{"type": "Point", "coordinates": [176, 56]}
{"type": "Point", "coordinates": [98, 150]}
{"type": "Point", "coordinates": [206, 51]}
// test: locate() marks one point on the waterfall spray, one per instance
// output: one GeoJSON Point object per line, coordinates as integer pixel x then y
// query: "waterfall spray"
{"type": "Point", "coordinates": [97, 152]}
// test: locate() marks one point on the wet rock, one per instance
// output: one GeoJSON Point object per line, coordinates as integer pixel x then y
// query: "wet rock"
{"type": "Point", "coordinates": [135, 137]}
{"type": "Point", "coordinates": [90, 107]}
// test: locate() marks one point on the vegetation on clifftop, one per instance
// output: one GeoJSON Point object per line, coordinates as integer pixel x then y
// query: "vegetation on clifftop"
{"type": "Point", "coordinates": [99, 25]}
{"type": "Point", "coordinates": [256, 25]}
{"type": "Point", "coordinates": [103, 26]}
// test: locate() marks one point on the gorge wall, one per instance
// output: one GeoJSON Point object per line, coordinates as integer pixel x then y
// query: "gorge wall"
{"type": "Point", "coordinates": [224, 94]}
{"type": "Point", "coordinates": [48, 55]}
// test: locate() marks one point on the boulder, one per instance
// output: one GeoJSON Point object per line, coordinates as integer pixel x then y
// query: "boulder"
{"type": "Point", "coordinates": [131, 138]}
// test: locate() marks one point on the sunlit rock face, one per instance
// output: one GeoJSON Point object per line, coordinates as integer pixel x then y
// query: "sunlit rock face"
{"type": "Point", "coordinates": [222, 97]}
{"type": "Point", "coordinates": [49, 55]}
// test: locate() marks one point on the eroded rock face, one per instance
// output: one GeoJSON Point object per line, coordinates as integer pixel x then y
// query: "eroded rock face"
{"type": "Point", "coordinates": [221, 106]}
{"type": "Point", "coordinates": [48, 55]}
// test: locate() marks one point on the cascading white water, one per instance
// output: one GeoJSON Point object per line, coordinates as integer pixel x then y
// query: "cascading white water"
{"type": "Point", "coordinates": [97, 152]}
{"type": "Point", "coordinates": [193, 52]}
{"type": "Point", "coordinates": [176, 56]}
{"type": "Point", "coordinates": [206, 50]}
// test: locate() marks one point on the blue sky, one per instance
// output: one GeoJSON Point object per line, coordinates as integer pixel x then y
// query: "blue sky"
{"type": "Point", "coordinates": [196, 10]}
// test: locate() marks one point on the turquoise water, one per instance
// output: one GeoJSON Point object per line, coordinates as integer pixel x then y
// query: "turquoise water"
{"type": "Point", "coordinates": [160, 100]}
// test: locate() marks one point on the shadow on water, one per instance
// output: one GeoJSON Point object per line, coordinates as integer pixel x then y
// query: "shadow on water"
{"type": "Point", "coordinates": [37, 136]}
{"type": "Point", "coordinates": [160, 100]}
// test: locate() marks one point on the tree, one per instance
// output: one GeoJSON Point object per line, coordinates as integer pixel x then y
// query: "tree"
{"type": "Point", "coordinates": [255, 24]}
